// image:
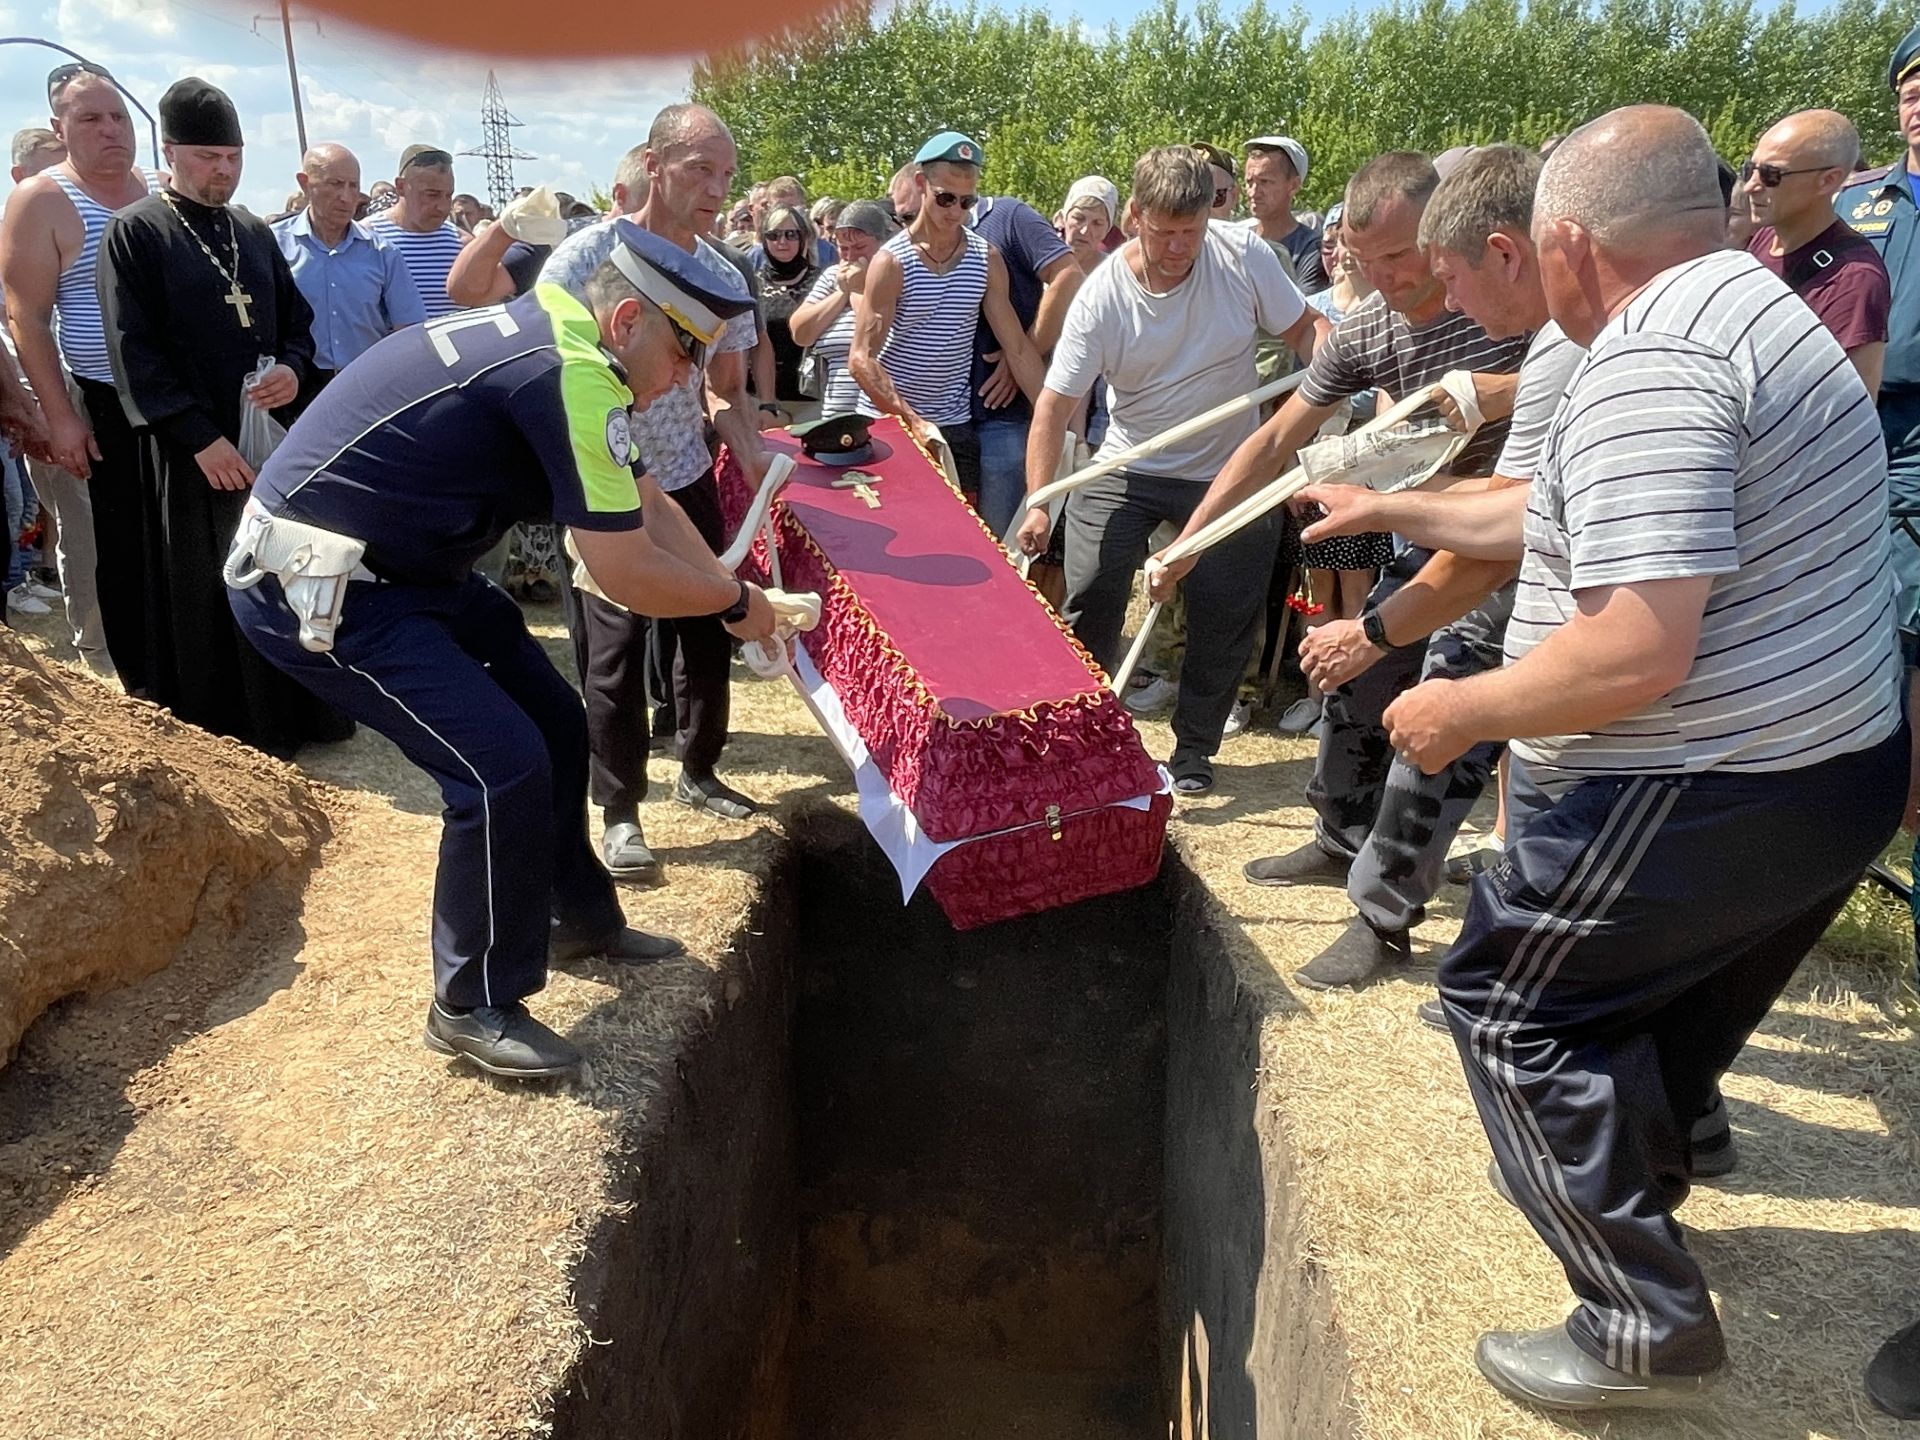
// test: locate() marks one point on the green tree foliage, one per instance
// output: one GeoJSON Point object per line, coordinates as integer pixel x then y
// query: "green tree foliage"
{"type": "Point", "coordinates": [844, 100]}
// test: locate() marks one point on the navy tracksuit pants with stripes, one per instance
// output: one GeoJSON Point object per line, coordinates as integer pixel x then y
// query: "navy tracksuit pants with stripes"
{"type": "Point", "coordinates": [451, 676]}
{"type": "Point", "coordinates": [1610, 969]}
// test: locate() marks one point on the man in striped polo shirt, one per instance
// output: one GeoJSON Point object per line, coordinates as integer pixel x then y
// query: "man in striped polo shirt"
{"type": "Point", "coordinates": [1702, 689]}
{"type": "Point", "coordinates": [417, 225]}
{"type": "Point", "coordinates": [926, 292]}
{"type": "Point", "coordinates": [1383, 829]}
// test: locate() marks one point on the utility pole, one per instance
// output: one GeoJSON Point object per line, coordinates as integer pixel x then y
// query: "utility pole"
{"type": "Point", "coordinates": [293, 72]}
{"type": "Point", "coordinates": [496, 144]}
{"type": "Point", "coordinates": [293, 77]}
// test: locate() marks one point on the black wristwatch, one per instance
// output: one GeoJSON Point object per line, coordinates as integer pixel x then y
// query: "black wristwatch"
{"type": "Point", "coordinates": [770, 407]}
{"type": "Point", "coordinates": [1374, 628]}
{"type": "Point", "coordinates": [737, 611]}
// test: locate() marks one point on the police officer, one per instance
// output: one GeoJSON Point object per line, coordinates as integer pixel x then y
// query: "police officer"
{"type": "Point", "coordinates": [426, 451]}
{"type": "Point", "coordinates": [1884, 206]}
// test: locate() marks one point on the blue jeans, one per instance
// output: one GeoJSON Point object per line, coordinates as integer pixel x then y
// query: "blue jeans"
{"type": "Point", "coordinates": [16, 485]}
{"type": "Point", "coordinates": [1003, 469]}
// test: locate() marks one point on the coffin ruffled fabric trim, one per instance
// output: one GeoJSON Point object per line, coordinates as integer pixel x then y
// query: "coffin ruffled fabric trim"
{"type": "Point", "coordinates": [964, 777]}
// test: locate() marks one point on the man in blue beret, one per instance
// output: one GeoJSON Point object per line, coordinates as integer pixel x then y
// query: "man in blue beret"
{"type": "Point", "coordinates": [927, 290]}
{"type": "Point", "coordinates": [354, 572]}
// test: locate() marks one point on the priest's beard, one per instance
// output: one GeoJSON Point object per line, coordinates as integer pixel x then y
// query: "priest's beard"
{"type": "Point", "coordinates": [213, 194]}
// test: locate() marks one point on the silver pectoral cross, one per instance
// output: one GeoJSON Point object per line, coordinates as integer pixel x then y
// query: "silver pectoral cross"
{"type": "Point", "coordinates": [240, 300]}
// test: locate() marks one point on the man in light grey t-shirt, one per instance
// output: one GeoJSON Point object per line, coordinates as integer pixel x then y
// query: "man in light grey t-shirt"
{"type": "Point", "coordinates": [1170, 323]}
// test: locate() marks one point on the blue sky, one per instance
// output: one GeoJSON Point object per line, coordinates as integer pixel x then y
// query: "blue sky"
{"type": "Point", "coordinates": [364, 90]}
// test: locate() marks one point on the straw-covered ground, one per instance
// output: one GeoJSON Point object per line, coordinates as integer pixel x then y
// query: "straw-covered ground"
{"type": "Point", "coordinates": [289, 1220]}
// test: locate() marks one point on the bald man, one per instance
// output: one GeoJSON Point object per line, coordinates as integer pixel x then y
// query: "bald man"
{"type": "Point", "coordinates": [1796, 169]}
{"type": "Point", "coordinates": [1701, 664]}
{"type": "Point", "coordinates": [359, 287]}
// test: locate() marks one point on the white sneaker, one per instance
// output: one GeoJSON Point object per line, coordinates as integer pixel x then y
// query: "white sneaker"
{"type": "Point", "coordinates": [19, 602]}
{"type": "Point", "coordinates": [1238, 719]}
{"type": "Point", "coordinates": [41, 592]}
{"type": "Point", "coordinates": [1301, 716]}
{"type": "Point", "coordinates": [1150, 699]}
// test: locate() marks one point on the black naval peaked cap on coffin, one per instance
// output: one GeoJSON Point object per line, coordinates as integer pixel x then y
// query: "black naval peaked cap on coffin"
{"type": "Point", "coordinates": [675, 281]}
{"type": "Point", "coordinates": [192, 112]}
{"type": "Point", "coordinates": [835, 439]}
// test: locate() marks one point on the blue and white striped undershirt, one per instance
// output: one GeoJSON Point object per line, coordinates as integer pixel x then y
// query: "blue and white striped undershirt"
{"type": "Point", "coordinates": [429, 255]}
{"type": "Point", "coordinates": [78, 326]}
{"type": "Point", "coordinates": [929, 352]}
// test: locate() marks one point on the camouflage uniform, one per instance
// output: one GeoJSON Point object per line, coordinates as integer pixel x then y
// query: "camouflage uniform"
{"type": "Point", "coordinates": [1393, 822]}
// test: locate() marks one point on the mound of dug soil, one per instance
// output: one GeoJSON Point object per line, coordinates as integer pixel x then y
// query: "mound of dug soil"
{"type": "Point", "coordinates": [125, 836]}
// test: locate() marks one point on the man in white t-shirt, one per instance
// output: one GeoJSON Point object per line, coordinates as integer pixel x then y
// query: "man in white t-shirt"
{"type": "Point", "coordinates": [1170, 325]}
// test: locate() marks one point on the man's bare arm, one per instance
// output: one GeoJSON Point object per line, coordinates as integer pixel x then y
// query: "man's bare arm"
{"type": "Point", "coordinates": [732, 411]}
{"type": "Point", "coordinates": [30, 268]}
{"type": "Point", "coordinates": [1870, 360]}
{"type": "Point", "coordinates": [1480, 524]}
{"type": "Point", "coordinates": [1029, 370]}
{"type": "Point", "coordinates": [477, 277]}
{"type": "Point", "coordinates": [1063, 280]}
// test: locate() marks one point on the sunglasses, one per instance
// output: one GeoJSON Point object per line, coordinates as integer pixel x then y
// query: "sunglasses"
{"type": "Point", "coordinates": [946, 200]}
{"type": "Point", "coordinates": [691, 345]}
{"type": "Point", "coordinates": [61, 74]}
{"type": "Point", "coordinates": [432, 159]}
{"type": "Point", "coordinates": [1772, 175]}
{"type": "Point", "coordinates": [904, 217]}
{"type": "Point", "coordinates": [781, 235]}
{"type": "Point", "coordinates": [1222, 195]}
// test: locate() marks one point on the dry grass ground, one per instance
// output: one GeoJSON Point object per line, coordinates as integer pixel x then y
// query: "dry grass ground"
{"type": "Point", "coordinates": [296, 1223]}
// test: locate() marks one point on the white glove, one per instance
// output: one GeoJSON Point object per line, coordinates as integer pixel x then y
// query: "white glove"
{"type": "Point", "coordinates": [793, 612]}
{"type": "Point", "coordinates": [535, 217]}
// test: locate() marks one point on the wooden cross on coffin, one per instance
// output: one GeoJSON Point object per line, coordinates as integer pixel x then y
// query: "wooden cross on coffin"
{"type": "Point", "coordinates": [861, 483]}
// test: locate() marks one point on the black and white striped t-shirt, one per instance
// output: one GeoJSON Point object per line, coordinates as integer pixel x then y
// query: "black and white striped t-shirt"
{"type": "Point", "coordinates": [1377, 347]}
{"type": "Point", "coordinates": [1551, 360]}
{"type": "Point", "coordinates": [429, 255]}
{"type": "Point", "coordinates": [1717, 429]}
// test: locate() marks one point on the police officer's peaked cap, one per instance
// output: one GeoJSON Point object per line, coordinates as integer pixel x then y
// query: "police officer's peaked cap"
{"type": "Point", "coordinates": [675, 281]}
{"type": "Point", "coordinates": [953, 147]}
{"type": "Point", "coordinates": [1906, 59]}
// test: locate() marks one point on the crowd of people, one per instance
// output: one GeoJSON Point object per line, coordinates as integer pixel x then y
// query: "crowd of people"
{"type": "Point", "coordinates": [1658, 600]}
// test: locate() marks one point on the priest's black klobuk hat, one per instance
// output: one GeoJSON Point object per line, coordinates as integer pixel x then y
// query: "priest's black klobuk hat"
{"type": "Point", "coordinates": [192, 112]}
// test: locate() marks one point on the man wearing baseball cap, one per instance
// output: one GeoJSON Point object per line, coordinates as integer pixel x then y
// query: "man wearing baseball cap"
{"type": "Point", "coordinates": [354, 572]}
{"type": "Point", "coordinates": [1275, 170]}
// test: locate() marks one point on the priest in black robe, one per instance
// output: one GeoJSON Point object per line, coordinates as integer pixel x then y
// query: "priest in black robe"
{"type": "Point", "coordinates": [195, 295]}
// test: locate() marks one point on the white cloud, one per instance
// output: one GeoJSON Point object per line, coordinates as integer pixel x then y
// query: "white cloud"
{"type": "Point", "coordinates": [113, 19]}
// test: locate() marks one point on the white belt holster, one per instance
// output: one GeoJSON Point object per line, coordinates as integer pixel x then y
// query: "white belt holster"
{"type": "Point", "coordinates": [312, 565]}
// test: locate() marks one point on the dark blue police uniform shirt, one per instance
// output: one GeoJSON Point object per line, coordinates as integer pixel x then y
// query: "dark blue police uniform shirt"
{"type": "Point", "coordinates": [443, 436]}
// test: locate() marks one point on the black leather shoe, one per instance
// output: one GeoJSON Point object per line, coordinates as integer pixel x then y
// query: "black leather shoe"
{"type": "Point", "coordinates": [625, 946]}
{"type": "Point", "coordinates": [502, 1040]}
{"type": "Point", "coordinates": [1545, 1368]}
{"type": "Point", "coordinates": [625, 851]}
{"type": "Point", "coordinates": [1359, 954]}
{"type": "Point", "coordinates": [1893, 1375]}
{"type": "Point", "coordinates": [1309, 865]}
{"type": "Point", "coordinates": [706, 792]}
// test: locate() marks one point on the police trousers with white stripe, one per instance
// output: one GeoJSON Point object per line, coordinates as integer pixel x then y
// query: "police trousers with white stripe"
{"type": "Point", "coordinates": [1611, 967]}
{"type": "Point", "coordinates": [451, 676]}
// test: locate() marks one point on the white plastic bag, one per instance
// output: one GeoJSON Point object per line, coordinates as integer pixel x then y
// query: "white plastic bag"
{"type": "Point", "coordinates": [260, 433]}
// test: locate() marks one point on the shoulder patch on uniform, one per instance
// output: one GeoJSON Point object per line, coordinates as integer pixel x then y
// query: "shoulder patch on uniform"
{"type": "Point", "coordinates": [1863, 177]}
{"type": "Point", "coordinates": [619, 436]}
